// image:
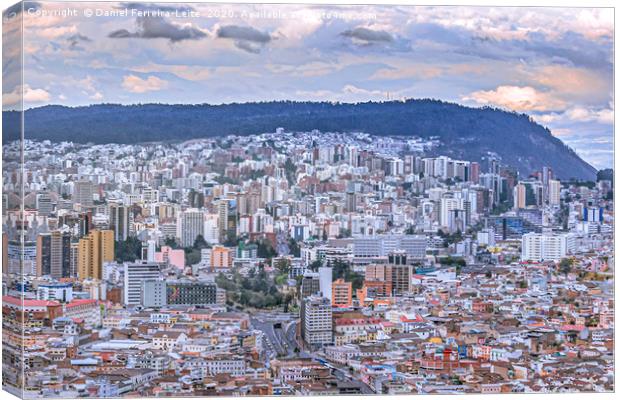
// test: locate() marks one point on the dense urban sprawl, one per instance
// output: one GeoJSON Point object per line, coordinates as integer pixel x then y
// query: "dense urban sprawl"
{"type": "Point", "coordinates": [300, 263]}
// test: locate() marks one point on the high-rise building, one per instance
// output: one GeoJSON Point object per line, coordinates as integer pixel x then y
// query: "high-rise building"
{"type": "Point", "coordinates": [44, 204]}
{"type": "Point", "coordinates": [310, 284]}
{"type": "Point", "coordinates": [227, 219]}
{"type": "Point", "coordinates": [351, 202]}
{"type": "Point", "coordinates": [342, 293]}
{"type": "Point", "coordinates": [519, 196]}
{"type": "Point", "coordinates": [136, 274]}
{"type": "Point", "coordinates": [554, 192]}
{"type": "Point", "coordinates": [83, 193]}
{"type": "Point", "coordinates": [54, 254]}
{"type": "Point", "coordinates": [191, 225]}
{"type": "Point", "coordinates": [316, 321]}
{"type": "Point", "coordinates": [325, 282]}
{"type": "Point", "coordinates": [119, 221]}
{"type": "Point", "coordinates": [401, 278]}
{"type": "Point", "coordinates": [394, 276]}
{"type": "Point", "coordinates": [474, 172]}
{"type": "Point", "coordinates": [93, 250]}
{"type": "Point", "coordinates": [74, 252]}
{"type": "Point", "coordinates": [448, 205]}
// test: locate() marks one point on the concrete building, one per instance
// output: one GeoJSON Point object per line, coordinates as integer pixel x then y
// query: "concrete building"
{"type": "Point", "coordinates": [191, 224]}
{"type": "Point", "coordinates": [154, 294]}
{"type": "Point", "coordinates": [342, 293]}
{"type": "Point", "coordinates": [54, 254]}
{"type": "Point", "coordinates": [191, 293]}
{"type": "Point", "coordinates": [316, 321]}
{"type": "Point", "coordinates": [555, 188]}
{"type": "Point", "coordinates": [325, 281]}
{"type": "Point", "coordinates": [310, 284]}
{"type": "Point", "coordinates": [546, 247]}
{"type": "Point", "coordinates": [135, 275]}
{"type": "Point", "coordinates": [83, 193]}
{"type": "Point", "coordinates": [380, 245]}
{"type": "Point", "coordinates": [93, 250]}
{"type": "Point", "coordinates": [119, 221]}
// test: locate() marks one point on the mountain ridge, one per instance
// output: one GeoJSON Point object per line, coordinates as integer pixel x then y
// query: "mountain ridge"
{"type": "Point", "coordinates": [466, 133]}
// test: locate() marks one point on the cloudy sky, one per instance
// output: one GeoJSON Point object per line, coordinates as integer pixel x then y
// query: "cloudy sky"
{"type": "Point", "coordinates": [555, 64]}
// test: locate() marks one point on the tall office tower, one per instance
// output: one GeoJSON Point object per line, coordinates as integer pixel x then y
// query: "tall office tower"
{"type": "Point", "coordinates": [555, 188]}
{"type": "Point", "coordinates": [83, 193]}
{"type": "Point", "coordinates": [325, 282]}
{"type": "Point", "coordinates": [191, 225]}
{"type": "Point", "coordinates": [211, 231]}
{"type": "Point", "coordinates": [448, 204]}
{"type": "Point", "coordinates": [85, 221]}
{"type": "Point", "coordinates": [409, 164]}
{"type": "Point", "coordinates": [222, 219]}
{"type": "Point", "coordinates": [136, 274]}
{"type": "Point", "coordinates": [44, 204]}
{"type": "Point", "coordinates": [316, 321]}
{"type": "Point", "coordinates": [310, 284]}
{"type": "Point", "coordinates": [401, 278]}
{"type": "Point", "coordinates": [93, 250]}
{"type": "Point", "coordinates": [5, 253]}
{"type": "Point", "coordinates": [474, 172]}
{"type": "Point", "coordinates": [119, 221]}
{"type": "Point", "coordinates": [196, 199]}
{"type": "Point", "coordinates": [342, 293]}
{"type": "Point", "coordinates": [493, 165]}
{"type": "Point", "coordinates": [74, 251]}
{"type": "Point", "coordinates": [54, 254]}
{"type": "Point", "coordinates": [520, 196]}
{"type": "Point", "coordinates": [227, 219]}
{"type": "Point", "coordinates": [399, 272]}
{"type": "Point", "coordinates": [351, 202]}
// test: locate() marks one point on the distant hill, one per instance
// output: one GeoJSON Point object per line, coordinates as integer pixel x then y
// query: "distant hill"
{"type": "Point", "coordinates": [466, 133]}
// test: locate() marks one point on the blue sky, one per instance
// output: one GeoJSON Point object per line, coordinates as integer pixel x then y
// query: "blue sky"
{"type": "Point", "coordinates": [555, 64]}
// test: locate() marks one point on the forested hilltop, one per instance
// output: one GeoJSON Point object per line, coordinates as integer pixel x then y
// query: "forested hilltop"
{"type": "Point", "coordinates": [465, 133]}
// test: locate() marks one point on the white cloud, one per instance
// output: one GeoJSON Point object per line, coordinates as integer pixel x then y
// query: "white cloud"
{"type": "Point", "coordinates": [30, 96]}
{"type": "Point", "coordinates": [579, 114]}
{"type": "Point", "coordinates": [517, 98]}
{"type": "Point", "coordinates": [135, 84]}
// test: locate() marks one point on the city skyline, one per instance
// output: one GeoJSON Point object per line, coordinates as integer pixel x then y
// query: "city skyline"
{"type": "Point", "coordinates": [308, 247]}
{"type": "Point", "coordinates": [552, 63]}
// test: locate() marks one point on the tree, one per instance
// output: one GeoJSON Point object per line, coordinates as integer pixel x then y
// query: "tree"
{"type": "Point", "coordinates": [200, 243]}
{"type": "Point", "coordinates": [129, 249]}
{"type": "Point", "coordinates": [290, 170]}
{"type": "Point", "coordinates": [294, 247]}
{"type": "Point", "coordinates": [342, 270]}
{"type": "Point", "coordinates": [566, 266]}
{"type": "Point", "coordinates": [171, 242]}
{"type": "Point", "coordinates": [315, 265]}
{"type": "Point", "coordinates": [265, 250]}
{"type": "Point", "coordinates": [192, 256]}
{"type": "Point", "coordinates": [283, 265]}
